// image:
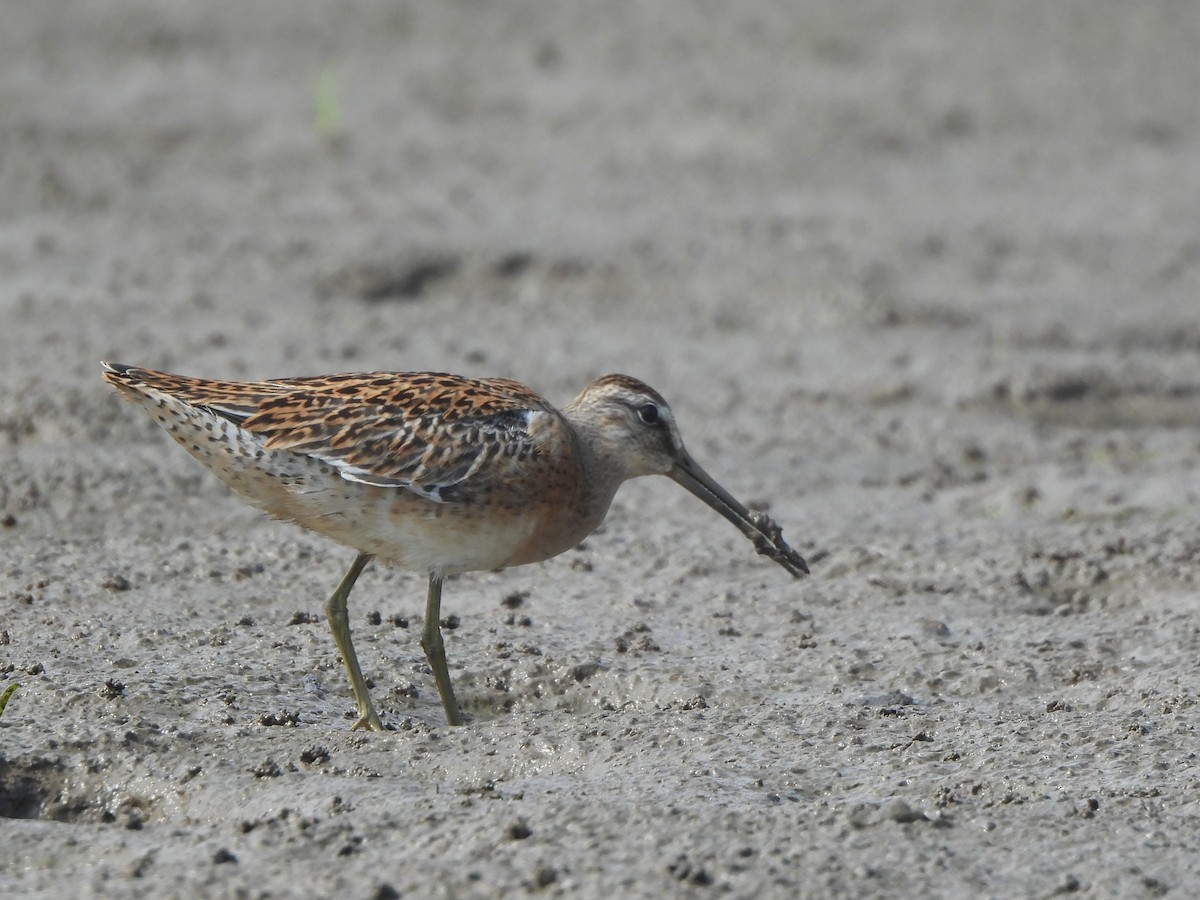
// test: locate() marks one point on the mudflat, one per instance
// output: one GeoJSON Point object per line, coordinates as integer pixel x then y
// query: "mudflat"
{"type": "Point", "coordinates": [921, 280]}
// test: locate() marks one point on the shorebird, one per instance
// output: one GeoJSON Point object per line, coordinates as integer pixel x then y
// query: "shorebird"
{"type": "Point", "coordinates": [434, 473]}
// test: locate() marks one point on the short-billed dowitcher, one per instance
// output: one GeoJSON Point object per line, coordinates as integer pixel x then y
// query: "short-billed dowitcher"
{"type": "Point", "coordinates": [434, 473]}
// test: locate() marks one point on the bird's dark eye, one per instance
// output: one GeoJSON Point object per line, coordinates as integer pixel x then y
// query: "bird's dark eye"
{"type": "Point", "coordinates": [648, 413]}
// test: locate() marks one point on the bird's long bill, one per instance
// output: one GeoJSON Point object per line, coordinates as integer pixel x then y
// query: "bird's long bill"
{"type": "Point", "coordinates": [758, 527]}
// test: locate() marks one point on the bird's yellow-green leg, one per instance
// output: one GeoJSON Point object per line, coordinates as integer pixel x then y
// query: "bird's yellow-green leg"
{"type": "Point", "coordinates": [8, 692]}
{"type": "Point", "coordinates": [339, 624]}
{"type": "Point", "coordinates": [435, 650]}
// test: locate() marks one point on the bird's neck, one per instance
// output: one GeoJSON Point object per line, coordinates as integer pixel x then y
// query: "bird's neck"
{"type": "Point", "coordinates": [601, 461]}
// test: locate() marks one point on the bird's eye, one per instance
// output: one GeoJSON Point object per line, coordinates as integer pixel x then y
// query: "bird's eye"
{"type": "Point", "coordinates": [648, 413]}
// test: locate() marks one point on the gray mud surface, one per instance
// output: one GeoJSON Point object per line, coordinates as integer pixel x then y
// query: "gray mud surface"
{"type": "Point", "coordinates": [924, 278]}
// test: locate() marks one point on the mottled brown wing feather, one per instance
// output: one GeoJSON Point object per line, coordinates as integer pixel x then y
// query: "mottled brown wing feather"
{"type": "Point", "coordinates": [426, 431]}
{"type": "Point", "coordinates": [233, 400]}
{"type": "Point", "coordinates": [429, 432]}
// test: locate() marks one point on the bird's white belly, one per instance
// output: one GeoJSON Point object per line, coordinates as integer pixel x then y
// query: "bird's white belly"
{"type": "Point", "coordinates": [392, 523]}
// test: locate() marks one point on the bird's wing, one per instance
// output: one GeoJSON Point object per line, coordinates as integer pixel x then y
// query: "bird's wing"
{"type": "Point", "coordinates": [425, 431]}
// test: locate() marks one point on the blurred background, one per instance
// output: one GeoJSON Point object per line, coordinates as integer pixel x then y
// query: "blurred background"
{"type": "Point", "coordinates": [385, 185]}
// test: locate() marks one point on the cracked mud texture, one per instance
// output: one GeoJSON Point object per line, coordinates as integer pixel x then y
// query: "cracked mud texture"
{"type": "Point", "coordinates": [921, 280]}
